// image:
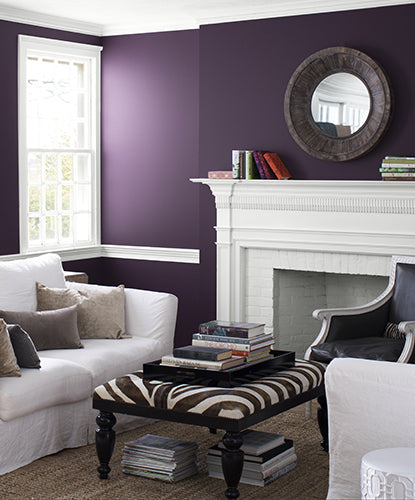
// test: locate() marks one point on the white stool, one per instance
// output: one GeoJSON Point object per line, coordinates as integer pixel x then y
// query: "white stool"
{"type": "Point", "coordinates": [388, 473]}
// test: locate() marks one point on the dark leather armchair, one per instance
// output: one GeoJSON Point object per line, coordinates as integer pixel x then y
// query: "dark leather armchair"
{"type": "Point", "coordinates": [384, 329]}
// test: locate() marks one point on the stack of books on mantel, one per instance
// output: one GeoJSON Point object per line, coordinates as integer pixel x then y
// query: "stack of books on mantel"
{"type": "Point", "coordinates": [158, 457]}
{"type": "Point", "coordinates": [220, 345]}
{"type": "Point", "coordinates": [267, 457]}
{"type": "Point", "coordinates": [398, 168]}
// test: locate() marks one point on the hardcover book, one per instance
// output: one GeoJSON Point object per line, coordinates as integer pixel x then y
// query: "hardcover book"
{"type": "Point", "coordinates": [237, 349]}
{"type": "Point", "coordinates": [278, 167]}
{"type": "Point", "coordinates": [258, 442]}
{"type": "Point", "coordinates": [265, 171]}
{"type": "Point", "coordinates": [263, 457]}
{"type": "Point", "coordinates": [245, 343]}
{"type": "Point", "coordinates": [201, 363]}
{"type": "Point", "coordinates": [231, 329]}
{"type": "Point", "coordinates": [202, 352]}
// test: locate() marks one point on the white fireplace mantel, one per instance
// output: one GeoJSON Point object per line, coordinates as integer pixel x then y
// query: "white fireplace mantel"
{"type": "Point", "coordinates": [350, 227]}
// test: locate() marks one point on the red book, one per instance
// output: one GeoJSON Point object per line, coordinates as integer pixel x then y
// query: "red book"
{"type": "Point", "coordinates": [278, 167]}
{"type": "Point", "coordinates": [264, 169]}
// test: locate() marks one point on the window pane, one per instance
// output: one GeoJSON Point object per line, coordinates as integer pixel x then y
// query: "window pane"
{"type": "Point", "coordinates": [83, 168]}
{"type": "Point", "coordinates": [34, 229]}
{"type": "Point", "coordinates": [50, 228]}
{"type": "Point", "coordinates": [51, 167]}
{"type": "Point", "coordinates": [34, 198]}
{"type": "Point", "coordinates": [67, 167]}
{"type": "Point", "coordinates": [82, 227]}
{"type": "Point", "coordinates": [66, 197]}
{"type": "Point", "coordinates": [35, 168]}
{"type": "Point", "coordinates": [50, 198]}
{"type": "Point", "coordinates": [66, 230]}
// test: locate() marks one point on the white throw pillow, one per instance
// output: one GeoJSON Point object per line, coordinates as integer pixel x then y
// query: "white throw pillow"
{"type": "Point", "coordinates": [18, 280]}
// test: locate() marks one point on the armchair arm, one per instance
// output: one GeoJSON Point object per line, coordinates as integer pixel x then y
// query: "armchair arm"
{"type": "Point", "coordinates": [408, 328]}
{"type": "Point", "coordinates": [352, 322]}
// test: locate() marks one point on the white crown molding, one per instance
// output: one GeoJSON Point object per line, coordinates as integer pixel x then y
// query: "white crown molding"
{"type": "Point", "coordinates": [48, 21]}
{"type": "Point", "coordinates": [192, 17]}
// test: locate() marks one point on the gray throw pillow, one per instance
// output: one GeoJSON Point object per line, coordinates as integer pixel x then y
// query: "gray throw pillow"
{"type": "Point", "coordinates": [101, 309]}
{"type": "Point", "coordinates": [8, 362]}
{"type": "Point", "coordinates": [48, 329]}
{"type": "Point", "coordinates": [23, 347]}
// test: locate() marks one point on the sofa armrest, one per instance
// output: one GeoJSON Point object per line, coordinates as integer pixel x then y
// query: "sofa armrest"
{"type": "Point", "coordinates": [370, 405]}
{"type": "Point", "coordinates": [151, 314]}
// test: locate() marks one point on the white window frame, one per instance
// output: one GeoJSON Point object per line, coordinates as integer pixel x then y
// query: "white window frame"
{"type": "Point", "coordinates": [26, 44]}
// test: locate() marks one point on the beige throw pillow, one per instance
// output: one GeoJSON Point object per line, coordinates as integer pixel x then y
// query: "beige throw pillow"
{"type": "Point", "coordinates": [8, 362]}
{"type": "Point", "coordinates": [101, 309]}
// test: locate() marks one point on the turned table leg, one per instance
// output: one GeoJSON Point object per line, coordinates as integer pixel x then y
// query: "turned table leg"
{"type": "Point", "coordinates": [323, 424]}
{"type": "Point", "coordinates": [104, 441]}
{"type": "Point", "coordinates": [232, 463]}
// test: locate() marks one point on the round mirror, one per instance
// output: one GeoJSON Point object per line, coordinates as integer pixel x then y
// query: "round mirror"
{"type": "Point", "coordinates": [338, 104]}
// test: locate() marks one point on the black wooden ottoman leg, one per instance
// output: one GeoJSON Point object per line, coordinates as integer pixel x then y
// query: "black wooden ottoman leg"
{"type": "Point", "coordinates": [104, 441]}
{"type": "Point", "coordinates": [323, 423]}
{"type": "Point", "coordinates": [232, 463]}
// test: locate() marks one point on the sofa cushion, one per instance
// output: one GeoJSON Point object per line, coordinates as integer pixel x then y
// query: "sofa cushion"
{"type": "Point", "coordinates": [48, 329]}
{"type": "Point", "coordinates": [379, 348]}
{"type": "Point", "coordinates": [109, 358]}
{"type": "Point", "coordinates": [101, 309]}
{"type": "Point", "coordinates": [8, 362]}
{"type": "Point", "coordinates": [57, 382]}
{"type": "Point", "coordinates": [23, 347]}
{"type": "Point", "coordinates": [18, 280]}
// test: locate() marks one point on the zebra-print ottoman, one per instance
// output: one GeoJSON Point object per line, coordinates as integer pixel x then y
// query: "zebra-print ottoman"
{"type": "Point", "coordinates": [259, 396]}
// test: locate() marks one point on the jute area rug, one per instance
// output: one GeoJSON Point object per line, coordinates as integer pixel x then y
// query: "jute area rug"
{"type": "Point", "coordinates": [71, 474]}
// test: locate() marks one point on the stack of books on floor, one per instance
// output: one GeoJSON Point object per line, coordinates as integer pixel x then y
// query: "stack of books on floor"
{"type": "Point", "coordinates": [398, 168]}
{"type": "Point", "coordinates": [267, 457]}
{"type": "Point", "coordinates": [158, 457]}
{"type": "Point", "coordinates": [221, 345]}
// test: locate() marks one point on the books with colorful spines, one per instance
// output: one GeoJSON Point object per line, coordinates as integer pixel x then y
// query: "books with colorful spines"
{"type": "Point", "coordinates": [236, 164]}
{"type": "Point", "coordinates": [399, 174]}
{"type": "Point", "coordinates": [258, 442]}
{"type": "Point", "coordinates": [216, 472]}
{"type": "Point", "coordinates": [241, 349]}
{"type": "Point", "coordinates": [232, 342]}
{"type": "Point", "coordinates": [265, 171]}
{"type": "Point", "coordinates": [202, 352]}
{"type": "Point", "coordinates": [399, 159]}
{"type": "Point", "coordinates": [251, 170]}
{"type": "Point", "coordinates": [263, 457]}
{"type": "Point", "coordinates": [262, 356]}
{"type": "Point", "coordinates": [220, 174]}
{"type": "Point", "coordinates": [201, 363]}
{"type": "Point", "coordinates": [231, 328]}
{"type": "Point", "coordinates": [278, 167]}
{"type": "Point", "coordinates": [395, 169]}
{"type": "Point", "coordinates": [405, 179]}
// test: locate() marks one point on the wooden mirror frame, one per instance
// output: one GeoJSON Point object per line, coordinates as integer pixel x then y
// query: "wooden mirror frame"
{"type": "Point", "coordinates": [300, 89]}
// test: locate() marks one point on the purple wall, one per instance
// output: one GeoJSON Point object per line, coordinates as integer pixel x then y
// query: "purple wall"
{"type": "Point", "coordinates": [150, 87]}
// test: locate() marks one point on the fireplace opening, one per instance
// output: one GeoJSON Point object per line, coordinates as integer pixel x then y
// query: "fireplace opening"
{"type": "Point", "coordinates": [296, 294]}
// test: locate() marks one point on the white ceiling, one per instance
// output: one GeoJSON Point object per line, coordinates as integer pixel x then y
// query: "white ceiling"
{"type": "Point", "coordinates": [115, 17]}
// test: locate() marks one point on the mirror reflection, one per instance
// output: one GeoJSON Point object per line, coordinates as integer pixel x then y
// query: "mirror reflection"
{"type": "Point", "coordinates": [340, 104]}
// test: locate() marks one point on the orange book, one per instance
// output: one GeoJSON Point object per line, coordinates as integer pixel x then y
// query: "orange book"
{"type": "Point", "coordinates": [278, 167]}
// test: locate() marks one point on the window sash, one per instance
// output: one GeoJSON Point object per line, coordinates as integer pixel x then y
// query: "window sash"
{"type": "Point", "coordinates": [61, 190]}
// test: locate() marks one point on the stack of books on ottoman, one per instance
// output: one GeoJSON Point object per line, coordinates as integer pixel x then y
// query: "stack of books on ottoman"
{"type": "Point", "coordinates": [267, 457]}
{"type": "Point", "coordinates": [220, 345]}
{"type": "Point", "coordinates": [158, 457]}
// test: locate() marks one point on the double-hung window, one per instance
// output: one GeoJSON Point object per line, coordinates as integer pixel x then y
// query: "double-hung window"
{"type": "Point", "coordinates": [59, 144]}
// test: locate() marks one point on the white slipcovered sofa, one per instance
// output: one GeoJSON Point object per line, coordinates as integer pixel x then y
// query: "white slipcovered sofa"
{"type": "Point", "coordinates": [48, 409]}
{"type": "Point", "coordinates": [371, 405]}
